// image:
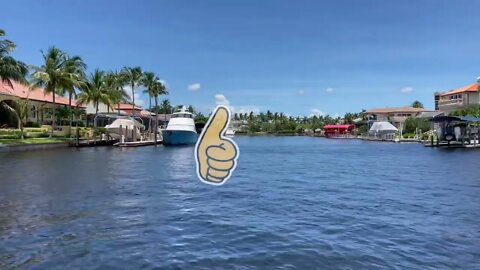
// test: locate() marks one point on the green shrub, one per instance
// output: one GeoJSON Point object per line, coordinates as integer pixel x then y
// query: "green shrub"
{"type": "Point", "coordinates": [80, 124]}
{"type": "Point", "coordinates": [99, 131]}
{"type": "Point", "coordinates": [37, 135]}
{"type": "Point", "coordinates": [10, 132]}
{"type": "Point", "coordinates": [32, 124]}
{"type": "Point", "coordinates": [37, 129]}
{"type": "Point", "coordinates": [12, 136]}
{"type": "Point", "coordinates": [412, 124]}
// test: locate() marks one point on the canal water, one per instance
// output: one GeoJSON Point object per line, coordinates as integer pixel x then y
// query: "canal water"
{"type": "Point", "coordinates": [293, 203]}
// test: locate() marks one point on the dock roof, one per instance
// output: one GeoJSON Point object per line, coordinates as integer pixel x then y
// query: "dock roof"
{"type": "Point", "coordinates": [455, 118]}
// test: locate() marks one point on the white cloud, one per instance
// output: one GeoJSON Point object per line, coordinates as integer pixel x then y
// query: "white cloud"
{"type": "Point", "coordinates": [316, 112]}
{"type": "Point", "coordinates": [301, 92]}
{"type": "Point", "coordinates": [407, 89]}
{"type": "Point", "coordinates": [194, 87]}
{"type": "Point", "coordinates": [336, 115]}
{"type": "Point", "coordinates": [164, 83]}
{"type": "Point", "coordinates": [329, 90]}
{"type": "Point", "coordinates": [221, 100]}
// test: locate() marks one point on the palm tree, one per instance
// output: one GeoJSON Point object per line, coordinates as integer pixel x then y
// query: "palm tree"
{"type": "Point", "coordinates": [148, 80]}
{"type": "Point", "coordinates": [166, 108]}
{"type": "Point", "coordinates": [54, 75]}
{"type": "Point", "coordinates": [10, 69]}
{"type": "Point", "coordinates": [95, 90]}
{"type": "Point", "coordinates": [158, 89]}
{"type": "Point", "coordinates": [76, 68]}
{"type": "Point", "coordinates": [133, 75]}
{"type": "Point", "coordinates": [114, 83]}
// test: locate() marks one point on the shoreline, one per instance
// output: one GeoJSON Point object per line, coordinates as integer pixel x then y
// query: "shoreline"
{"type": "Point", "coordinates": [31, 146]}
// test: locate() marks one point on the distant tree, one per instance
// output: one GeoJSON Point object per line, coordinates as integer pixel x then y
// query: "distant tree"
{"type": "Point", "coordinates": [166, 108]}
{"type": "Point", "coordinates": [417, 104]}
{"type": "Point", "coordinates": [199, 117]}
{"type": "Point", "coordinates": [269, 115]}
{"type": "Point", "coordinates": [412, 124]}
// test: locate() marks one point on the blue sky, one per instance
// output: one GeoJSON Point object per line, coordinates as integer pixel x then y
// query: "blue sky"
{"type": "Point", "coordinates": [296, 57]}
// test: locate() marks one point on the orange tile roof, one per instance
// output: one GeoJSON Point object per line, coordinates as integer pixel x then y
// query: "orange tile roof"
{"type": "Point", "coordinates": [126, 106]}
{"type": "Point", "coordinates": [469, 88]}
{"type": "Point", "coordinates": [37, 94]}
{"type": "Point", "coordinates": [397, 110]}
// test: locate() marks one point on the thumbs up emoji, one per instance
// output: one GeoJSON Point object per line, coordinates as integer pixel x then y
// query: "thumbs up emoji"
{"type": "Point", "coordinates": [215, 154]}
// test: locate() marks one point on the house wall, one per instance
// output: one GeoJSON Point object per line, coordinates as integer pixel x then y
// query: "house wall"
{"type": "Point", "coordinates": [473, 99]}
{"type": "Point", "coordinates": [38, 112]}
{"type": "Point", "coordinates": [451, 103]}
{"type": "Point", "coordinates": [102, 108]}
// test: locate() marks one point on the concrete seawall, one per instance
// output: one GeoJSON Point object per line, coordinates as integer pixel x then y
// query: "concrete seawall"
{"type": "Point", "coordinates": [31, 147]}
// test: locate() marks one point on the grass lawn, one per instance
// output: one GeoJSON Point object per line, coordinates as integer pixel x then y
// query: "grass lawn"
{"type": "Point", "coordinates": [32, 141]}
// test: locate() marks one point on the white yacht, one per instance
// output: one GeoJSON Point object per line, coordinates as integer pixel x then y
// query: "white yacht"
{"type": "Point", "coordinates": [180, 129]}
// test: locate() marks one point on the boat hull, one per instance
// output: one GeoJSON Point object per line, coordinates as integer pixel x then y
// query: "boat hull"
{"type": "Point", "coordinates": [179, 137]}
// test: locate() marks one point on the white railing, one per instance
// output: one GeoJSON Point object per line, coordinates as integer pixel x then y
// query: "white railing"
{"type": "Point", "coordinates": [452, 102]}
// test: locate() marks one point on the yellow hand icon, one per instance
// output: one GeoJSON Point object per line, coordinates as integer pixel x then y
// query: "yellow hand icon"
{"type": "Point", "coordinates": [215, 154]}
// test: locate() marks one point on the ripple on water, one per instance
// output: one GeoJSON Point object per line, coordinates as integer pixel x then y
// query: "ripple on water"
{"type": "Point", "coordinates": [293, 203]}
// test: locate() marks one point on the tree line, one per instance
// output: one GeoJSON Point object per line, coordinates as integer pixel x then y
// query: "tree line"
{"type": "Point", "coordinates": [278, 122]}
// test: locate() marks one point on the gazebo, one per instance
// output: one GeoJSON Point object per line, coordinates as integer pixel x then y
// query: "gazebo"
{"type": "Point", "coordinates": [383, 130]}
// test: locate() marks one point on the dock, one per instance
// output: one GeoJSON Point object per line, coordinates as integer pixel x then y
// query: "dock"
{"type": "Point", "coordinates": [454, 144]}
{"type": "Point", "coordinates": [92, 143]}
{"type": "Point", "coordinates": [137, 144]}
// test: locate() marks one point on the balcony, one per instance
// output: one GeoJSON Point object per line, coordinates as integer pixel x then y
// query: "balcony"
{"type": "Point", "coordinates": [451, 102]}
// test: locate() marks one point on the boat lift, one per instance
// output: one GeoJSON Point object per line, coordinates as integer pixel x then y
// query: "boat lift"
{"type": "Point", "coordinates": [456, 131]}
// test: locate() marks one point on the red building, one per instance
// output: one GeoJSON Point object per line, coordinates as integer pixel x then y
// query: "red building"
{"type": "Point", "coordinates": [335, 130]}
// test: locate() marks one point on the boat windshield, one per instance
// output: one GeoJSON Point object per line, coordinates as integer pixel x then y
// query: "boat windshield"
{"type": "Point", "coordinates": [182, 115]}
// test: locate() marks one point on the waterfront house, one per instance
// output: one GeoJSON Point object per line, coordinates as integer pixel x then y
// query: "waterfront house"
{"type": "Point", "coordinates": [458, 98]}
{"type": "Point", "coordinates": [396, 116]}
{"type": "Point", "coordinates": [39, 107]}
{"type": "Point", "coordinates": [107, 114]}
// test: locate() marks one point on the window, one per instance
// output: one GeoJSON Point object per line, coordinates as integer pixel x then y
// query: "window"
{"type": "Point", "coordinates": [33, 112]}
{"type": "Point", "coordinates": [182, 115]}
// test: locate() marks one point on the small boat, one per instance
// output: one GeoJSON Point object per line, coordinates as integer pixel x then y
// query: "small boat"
{"type": "Point", "coordinates": [180, 129]}
{"type": "Point", "coordinates": [127, 126]}
{"type": "Point", "coordinates": [230, 132]}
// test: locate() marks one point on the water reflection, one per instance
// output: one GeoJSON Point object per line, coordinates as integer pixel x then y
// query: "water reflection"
{"type": "Point", "coordinates": [292, 203]}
